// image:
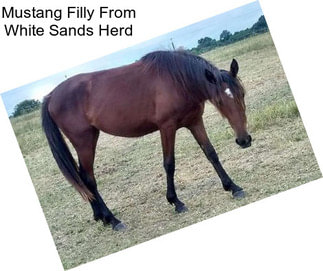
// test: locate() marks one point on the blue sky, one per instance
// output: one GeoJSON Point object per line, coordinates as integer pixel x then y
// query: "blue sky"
{"type": "Point", "coordinates": [233, 20]}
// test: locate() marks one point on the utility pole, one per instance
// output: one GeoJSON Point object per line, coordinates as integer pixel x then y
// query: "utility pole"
{"type": "Point", "coordinates": [171, 40]}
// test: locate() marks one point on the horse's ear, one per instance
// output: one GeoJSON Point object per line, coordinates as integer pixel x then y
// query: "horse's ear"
{"type": "Point", "coordinates": [210, 76]}
{"type": "Point", "coordinates": [234, 68]}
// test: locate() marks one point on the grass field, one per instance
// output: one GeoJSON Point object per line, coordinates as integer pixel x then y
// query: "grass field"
{"type": "Point", "coordinates": [131, 178]}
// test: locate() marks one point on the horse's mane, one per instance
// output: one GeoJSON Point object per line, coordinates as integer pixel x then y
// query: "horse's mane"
{"type": "Point", "coordinates": [187, 71]}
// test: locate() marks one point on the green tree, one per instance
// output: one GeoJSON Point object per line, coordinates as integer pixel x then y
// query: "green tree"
{"type": "Point", "coordinates": [205, 42]}
{"type": "Point", "coordinates": [261, 25]}
{"type": "Point", "coordinates": [225, 35]}
{"type": "Point", "coordinates": [25, 107]}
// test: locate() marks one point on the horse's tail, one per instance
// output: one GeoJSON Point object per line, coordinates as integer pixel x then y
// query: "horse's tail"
{"type": "Point", "coordinates": [61, 152]}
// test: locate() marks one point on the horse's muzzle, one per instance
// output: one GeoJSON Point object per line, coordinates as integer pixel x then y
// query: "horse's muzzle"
{"type": "Point", "coordinates": [244, 142]}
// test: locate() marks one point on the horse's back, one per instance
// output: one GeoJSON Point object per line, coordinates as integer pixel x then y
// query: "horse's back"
{"type": "Point", "coordinates": [128, 101]}
{"type": "Point", "coordinates": [119, 101]}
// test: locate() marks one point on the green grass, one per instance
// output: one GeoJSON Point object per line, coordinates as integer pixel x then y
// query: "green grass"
{"type": "Point", "coordinates": [131, 178]}
{"type": "Point", "coordinates": [273, 114]}
{"type": "Point", "coordinates": [29, 132]}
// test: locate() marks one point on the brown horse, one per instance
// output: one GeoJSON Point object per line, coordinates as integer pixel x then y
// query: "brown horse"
{"type": "Point", "coordinates": [162, 91]}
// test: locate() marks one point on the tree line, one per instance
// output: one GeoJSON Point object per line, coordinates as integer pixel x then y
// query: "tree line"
{"type": "Point", "coordinates": [226, 37]}
{"type": "Point", "coordinates": [25, 107]}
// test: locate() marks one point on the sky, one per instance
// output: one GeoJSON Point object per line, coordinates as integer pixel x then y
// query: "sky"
{"type": "Point", "coordinates": [187, 37]}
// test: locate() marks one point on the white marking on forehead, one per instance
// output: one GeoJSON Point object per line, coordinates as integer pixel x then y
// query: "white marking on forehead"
{"type": "Point", "coordinates": [229, 93]}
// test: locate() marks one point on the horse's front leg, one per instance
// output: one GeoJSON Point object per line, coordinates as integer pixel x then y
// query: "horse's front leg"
{"type": "Point", "coordinates": [201, 137]}
{"type": "Point", "coordinates": [168, 142]}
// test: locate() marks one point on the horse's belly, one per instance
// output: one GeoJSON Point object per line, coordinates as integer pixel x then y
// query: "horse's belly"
{"type": "Point", "coordinates": [127, 128]}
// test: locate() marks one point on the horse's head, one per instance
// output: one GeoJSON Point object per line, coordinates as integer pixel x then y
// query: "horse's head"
{"type": "Point", "coordinates": [230, 103]}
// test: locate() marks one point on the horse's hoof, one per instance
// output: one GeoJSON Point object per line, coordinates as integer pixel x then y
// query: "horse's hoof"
{"type": "Point", "coordinates": [181, 209]}
{"type": "Point", "coordinates": [239, 194]}
{"type": "Point", "coordinates": [119, 227]}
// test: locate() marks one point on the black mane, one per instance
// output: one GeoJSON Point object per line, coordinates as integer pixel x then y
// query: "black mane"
{"type": "Point", "coordinates": [187, 71]}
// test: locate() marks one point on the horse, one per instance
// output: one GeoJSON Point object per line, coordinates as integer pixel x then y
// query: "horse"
{"type": "Point", "coordinates": [165, 91]}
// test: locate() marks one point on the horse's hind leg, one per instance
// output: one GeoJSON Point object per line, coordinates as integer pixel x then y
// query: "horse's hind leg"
{"type": "Point", "coordinates": [201, 137]}
{"type": "Point", "coordinates": [168, 142]}
{"type": "Point", "coordinates": [85, 144]}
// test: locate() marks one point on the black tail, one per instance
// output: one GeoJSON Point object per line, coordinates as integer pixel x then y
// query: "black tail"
{"type": "Point", "coordinates": [61, 152]}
